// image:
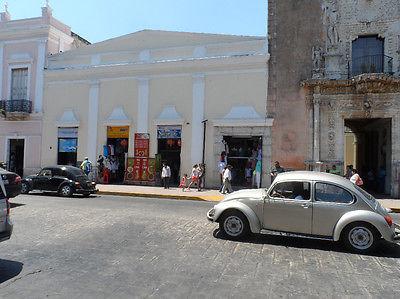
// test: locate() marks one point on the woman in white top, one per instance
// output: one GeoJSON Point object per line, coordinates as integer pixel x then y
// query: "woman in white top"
{"type": "Point", "coordinates": [356, 179]}
{"type": "Point", "coordinates": [194, 178]}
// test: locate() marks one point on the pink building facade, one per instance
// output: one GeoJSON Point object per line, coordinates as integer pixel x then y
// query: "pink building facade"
{"type": "Point", "coordinates": [24, 47]}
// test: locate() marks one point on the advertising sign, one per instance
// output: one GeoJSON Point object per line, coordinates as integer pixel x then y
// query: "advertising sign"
{"type": "Point", "coordinates": [169, 132]}
{"type": "Point", "coordinates": [140, 170]}
{"type": "Point", "coordinates": [142, 145]}
{"type": "Point", "coordinates": [118, 132]}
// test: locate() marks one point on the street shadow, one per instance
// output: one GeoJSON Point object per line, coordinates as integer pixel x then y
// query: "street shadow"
{"type": "Point", "coordinates": [54, 194]}
{"type": "Point", "coordinates": [9, 269]}
{"type": "Point", "coordinates": [385, 249]}
{"type": "Point", "coordinates": [15, 205]}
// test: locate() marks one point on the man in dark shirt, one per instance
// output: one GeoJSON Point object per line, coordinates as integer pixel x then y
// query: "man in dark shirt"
{"type": "Point", "coordinates": [277, 169]}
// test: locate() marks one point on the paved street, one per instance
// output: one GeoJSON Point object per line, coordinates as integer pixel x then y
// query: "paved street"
{"type": "Point", "coordinates": [124, 247]}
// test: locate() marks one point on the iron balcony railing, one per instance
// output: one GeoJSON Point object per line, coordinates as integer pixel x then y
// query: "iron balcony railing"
{"type": "Point", "coordinates": [21, 106]}
{"type": "Point", "coordinates": [372, 64]}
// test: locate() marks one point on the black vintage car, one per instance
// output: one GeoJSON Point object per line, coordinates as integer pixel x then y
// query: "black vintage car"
{"type": "Point", "coordinates": [64, 180]}
{"type": "Point", "coordinates": [11, 184]}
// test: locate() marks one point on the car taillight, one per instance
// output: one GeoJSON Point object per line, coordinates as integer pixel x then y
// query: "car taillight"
{"type": "Point", "coordinates": [8, 207]}
{"type": "Point", "coordinates": [17, 179]}
{"type": "Point", "coordinates": [389, 220]}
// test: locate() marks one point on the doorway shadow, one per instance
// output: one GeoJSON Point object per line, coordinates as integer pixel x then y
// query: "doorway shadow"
{"type": "Point", "coordinates": [9, 269]}
{"type": "Point", "coordinates": [385, 249]}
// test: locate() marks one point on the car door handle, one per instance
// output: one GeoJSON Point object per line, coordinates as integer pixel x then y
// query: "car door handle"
{"type": "Point", "coordinates": [305, 205]}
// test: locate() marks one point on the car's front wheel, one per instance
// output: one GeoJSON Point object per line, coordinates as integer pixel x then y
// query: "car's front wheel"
{"type": "Point", "coordinates": [234, 225]}
{"type": "Point", "coordinates": [360, 237]}
{"type": "Point", "coordinates": [24, 188]}
{"type": "Point", "coordinates": [66, 191]}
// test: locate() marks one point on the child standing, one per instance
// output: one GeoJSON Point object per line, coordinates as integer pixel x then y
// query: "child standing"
{"type": "Point", "coordinates": [182, 184]}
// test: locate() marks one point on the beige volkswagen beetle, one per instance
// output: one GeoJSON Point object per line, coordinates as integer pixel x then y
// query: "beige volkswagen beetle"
{"type": "Point", "coordinates": [308, 204]}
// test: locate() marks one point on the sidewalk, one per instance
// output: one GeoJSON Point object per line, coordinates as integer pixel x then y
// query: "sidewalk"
{"type": "Point", "coordinates": [206, 195]}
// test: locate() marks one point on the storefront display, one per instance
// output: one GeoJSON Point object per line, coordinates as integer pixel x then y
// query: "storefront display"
{"type": "Point", "coordinates": [245, 156]}
{"type": "Point", "coordinates": [116, 152]}
{"type": "Point", "coordinates": [67, 146]}
{"type": "Point", "coordinates": [169, 148]}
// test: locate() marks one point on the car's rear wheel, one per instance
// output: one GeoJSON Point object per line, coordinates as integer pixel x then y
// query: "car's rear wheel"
{"type": "Point", "coordinates": [66, 191]}
{"type": "Point", "coordinates": [360, 237]}
{"type": "Point", "coordinates": [24, 188]}
{"type": "Point", "coordinates": [234, 225]}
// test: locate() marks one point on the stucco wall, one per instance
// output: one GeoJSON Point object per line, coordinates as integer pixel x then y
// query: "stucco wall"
{"type": "Point", "coordinates": [295, 26]}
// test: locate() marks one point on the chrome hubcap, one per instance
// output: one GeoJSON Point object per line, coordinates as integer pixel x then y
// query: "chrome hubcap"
{"type": "Point", "coordinates": [65, 190]}
{"type": "Point", "coordinates": [24, 188]}
{"type": "Point", "coordinates": [361, 237]}
{"type": "Point", "coordinates": [233, 226]}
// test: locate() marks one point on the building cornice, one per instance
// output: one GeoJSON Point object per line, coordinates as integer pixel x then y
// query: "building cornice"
{"type": "Point", "coordinates": [362, 84]}
{"type": "Point", "coordinates": [161, 67]}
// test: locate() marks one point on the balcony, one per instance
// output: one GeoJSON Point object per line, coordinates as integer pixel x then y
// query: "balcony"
{"type": "Point", "coordinates": [381, 64]}
{"type": "Point", "coordinates": [16, 109]}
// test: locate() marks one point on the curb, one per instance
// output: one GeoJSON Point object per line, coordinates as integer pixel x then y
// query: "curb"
{"type": "Point", "coordinates": [152, 195]}
{"type": "Point", "coordinates": [180, 197]}
{"type": "Point", "coordinates": [395, 210]}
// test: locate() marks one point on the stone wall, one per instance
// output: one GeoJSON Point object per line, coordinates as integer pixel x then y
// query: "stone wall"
{"type": "Point", "coordinates": [344, 21]}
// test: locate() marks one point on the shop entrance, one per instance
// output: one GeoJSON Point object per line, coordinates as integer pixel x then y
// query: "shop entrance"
{"type": "Point", "coordinates": [67, 146]}
{"type": "Point", "coordinates": [16, 156]}
{"type": "Point", "coordinates": [368, 147]}
{"type": "Point", "coordinates": [169, 148]}
{"type": "Point", "coordinates": [243, 153]}
{"type": "Point", "coordinates": [116, 152]}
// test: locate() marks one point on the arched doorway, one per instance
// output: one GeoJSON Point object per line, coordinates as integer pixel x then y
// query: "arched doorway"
{"type": "Point", "coordinates": [368, 147]}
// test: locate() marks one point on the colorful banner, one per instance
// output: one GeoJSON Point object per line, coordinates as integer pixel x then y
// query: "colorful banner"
{"type": "Point", "coordinates": [118, 132]}
{"type": "Point", "coordinates": [142, 145]}
{"type": "Point", "coordinates": [140, 170]}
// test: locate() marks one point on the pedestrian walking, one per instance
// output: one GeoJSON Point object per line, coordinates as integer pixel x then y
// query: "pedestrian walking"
{"type": "Point", "coordinates": [221, 169]}
{"type": "Point", "coordinates": [227, 177]}
{"type": "Point", "coordinates": [165, 175]}
{"type": "Point", "coordinates": [86, 166]}
{"type": "Point", "coordinates": [202, 174]}
{"type": "Point", "coordinates": [194, 178]}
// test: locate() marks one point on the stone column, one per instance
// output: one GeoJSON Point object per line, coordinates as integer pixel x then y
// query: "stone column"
{"type": "Point", "coordinates": [41, 59]}
{"type": "Point", "coordinates": [143, 106]}
{"type": "Point", "coordinates": [198, 103]}
{"type": "Point", "coordinates": [395, 175]}
{"type": "Point", "coordinates": [92, 121]}
{"type": "Point", "coordinates": [317, 131]}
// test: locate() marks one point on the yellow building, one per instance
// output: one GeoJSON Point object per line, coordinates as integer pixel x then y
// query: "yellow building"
{"type": "Point", "coordinates": [177, 87]}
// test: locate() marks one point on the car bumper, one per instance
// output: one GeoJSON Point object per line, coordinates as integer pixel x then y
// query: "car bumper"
{"type": "Point", "coordinates": [396, 235]}
{"type": "Point", "coordinates": [86, 191]}
{"type": "Point", "coordinates": [7, 233]}
{"type": "Point", "coordinates": [211, 214]}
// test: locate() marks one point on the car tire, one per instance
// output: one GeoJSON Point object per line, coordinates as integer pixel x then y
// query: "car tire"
{"type": "Point", "coordinates": [234, 225]}
{"type": "Point", "coordinates": [24, 188]}
{"type": "Point", "coordinates": [65, 191]}
{"type": "Point", "coordinates": [360, 237]}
